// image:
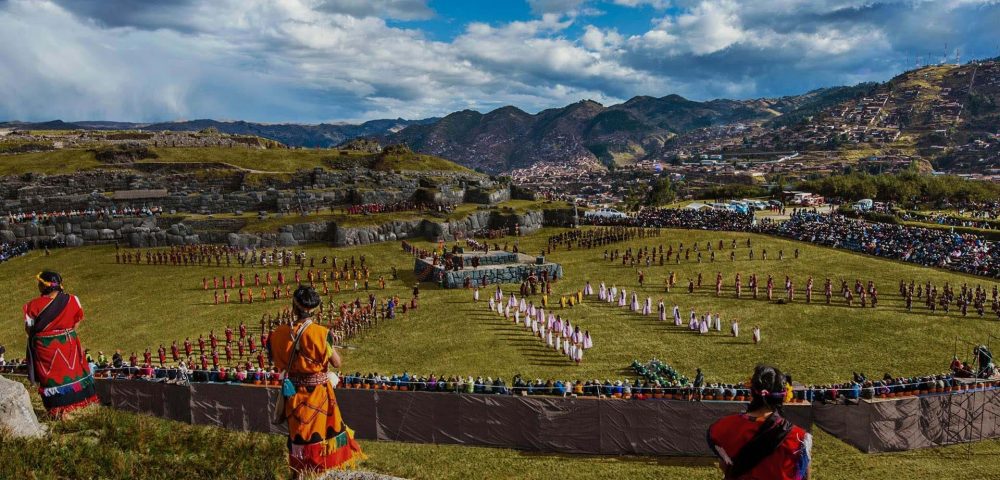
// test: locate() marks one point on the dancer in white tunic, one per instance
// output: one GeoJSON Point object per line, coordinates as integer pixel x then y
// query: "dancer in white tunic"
{"type": "Point", "coordinates": [493, 304]}
{"type": "Point", "coordinates": [623, 299]}
{"type": "Point", "coordinates": [548, 340]}
{"type": "Point", "coordinates": [703, 326]}
{"type": "Point", "coordinates": [578, 354]}
{"type": "Point", "coordinates": [635, 303]}
{"type": "Point", "coordinates": [602, 292]}
{"type": "Point", "coordinates": [648, 307]}
{"type": "Point", "coordinates": [559, 343]}
{"type": "Point", "coordinates": [677, 315]}
{"type": "Point", "coordinates": [756, 334]}
{"type": "Point", "coordinates": [734, 329]}
{"type": "Point", "coordinates": [587, 341]}
{"type": "Point", "coordinates": [588, 290]}
{"type": "Point", "coordinates": [663, 311]}
{"type": "Point", "coordinates": [718, 323]}
{"type": "Point", "coordinates": [517, 316]}
{"type": "Point", "coordinates": [475, 295]}
{"type": "Point", "coordinates": [693, 322]}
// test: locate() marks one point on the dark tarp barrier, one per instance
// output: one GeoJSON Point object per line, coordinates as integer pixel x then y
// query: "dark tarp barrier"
{"type": "Point", "coordinates": [358, 411]}
{"type": "Point", "coordinates": [159, 399]}
{"type": "Point", "coordinates": [547, 424]}
{"type": "Point", "coordinates": [247, 409]}
{"type": "Point", "coordinates": [914, 422]}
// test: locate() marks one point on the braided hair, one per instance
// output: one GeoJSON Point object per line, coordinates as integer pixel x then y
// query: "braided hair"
{"type": "Point", "coordinates": [767, 391]}
{"type": "Point", "coordinates": [48, 282]}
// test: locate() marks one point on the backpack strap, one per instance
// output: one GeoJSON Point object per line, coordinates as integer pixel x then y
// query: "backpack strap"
{"type": "Point", "coordinates": [295, 344]}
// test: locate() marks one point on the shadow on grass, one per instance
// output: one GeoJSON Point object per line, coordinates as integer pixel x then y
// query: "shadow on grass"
{"type": "Point", "coordinates": [660, 461]}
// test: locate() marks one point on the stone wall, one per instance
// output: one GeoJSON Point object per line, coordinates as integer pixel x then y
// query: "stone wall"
{"type": "Point", "coordinates": [489, 196]}
{"type": "Point", "coordinates": [160, 231]}
{"type": "Point", "coordinates": [217, 188]}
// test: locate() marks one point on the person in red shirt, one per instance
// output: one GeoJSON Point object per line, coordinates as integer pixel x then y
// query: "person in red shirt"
{"type": "Point", "coordinates": [55, 354]}
{"type": "Point", "coordinates": [761, 444]}
{"type": "Point", "coordinates": [175, 352]}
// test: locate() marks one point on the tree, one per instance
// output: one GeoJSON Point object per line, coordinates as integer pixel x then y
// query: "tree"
{"type": "Point", "coordinates": [661, 192]}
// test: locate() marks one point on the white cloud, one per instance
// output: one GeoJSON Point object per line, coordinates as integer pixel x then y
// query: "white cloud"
{"type": "Point", "coordinates": [314, 60]}
{"type": "Point", "coordinates": [541, 7]}
{"type": "Point", "coordinates": [656, 4]}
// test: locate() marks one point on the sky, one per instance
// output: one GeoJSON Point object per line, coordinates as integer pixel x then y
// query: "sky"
{"type": "Point", "coordinates": [312, 61]}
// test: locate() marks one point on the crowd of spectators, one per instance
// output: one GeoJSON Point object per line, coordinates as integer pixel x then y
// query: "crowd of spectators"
{"type": "Point", "coordinates": [704, 219]}
{"type": "Point", "coordinates": [107, 212]}
{"type": "Point", "coordinates": [928, 247]}
{"type": "Point", "coordinates": [9, 250]}
{"type": "Point", "coordinates": [981, 210]}
{"type": "Point", "coordinates": [370, 208]}
{"type": "Point", "coordinates": [950, 220]}
{"type": "Point", "coordinates": [653, 379]}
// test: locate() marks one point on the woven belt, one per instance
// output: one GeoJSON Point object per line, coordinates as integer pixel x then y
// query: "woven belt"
{"type": "Point", "coordinates": [310, 380]}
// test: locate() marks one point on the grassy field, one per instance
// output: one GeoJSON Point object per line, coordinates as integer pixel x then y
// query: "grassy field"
{"type": "Point", "coordinates": [269, 160]}
{"type": "Point", "coordinates": [105, 443]}
{"type": "Point", "coordinates": [132, 307]}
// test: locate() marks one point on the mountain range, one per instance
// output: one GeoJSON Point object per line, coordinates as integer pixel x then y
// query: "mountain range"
{"type": "Point", "coordinates": [934, 113]}
{"type": "Point", "coordinates": [321, 135]}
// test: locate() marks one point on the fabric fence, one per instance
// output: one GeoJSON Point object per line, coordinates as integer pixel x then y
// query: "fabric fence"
{"type": "Point", "coordinates": [543, 424]}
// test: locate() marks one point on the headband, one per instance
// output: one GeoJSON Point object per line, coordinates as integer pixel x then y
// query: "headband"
{"type": "Point", "coordinates": [44, 282]}
{"type": "Point", "coordinates": [767, 393]}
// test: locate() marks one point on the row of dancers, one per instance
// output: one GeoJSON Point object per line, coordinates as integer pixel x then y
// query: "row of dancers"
{"type": "Point", "coordinates": [703, 324]}
{"type": "Point", "coordinates": [558, 334]}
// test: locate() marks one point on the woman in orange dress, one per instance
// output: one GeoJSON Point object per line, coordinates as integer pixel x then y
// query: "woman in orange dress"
{"type": "Point", "coordinates": [318, 439]}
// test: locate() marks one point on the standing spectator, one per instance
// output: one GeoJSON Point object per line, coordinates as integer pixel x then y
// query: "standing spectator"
{"type": "Point", "coordinates": [761, 443]}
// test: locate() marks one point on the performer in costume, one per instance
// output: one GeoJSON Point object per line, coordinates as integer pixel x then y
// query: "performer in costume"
{"type": "Point", "coordinates": [55, 356]}
{"type": "Point", "coordinates": [318, 439]}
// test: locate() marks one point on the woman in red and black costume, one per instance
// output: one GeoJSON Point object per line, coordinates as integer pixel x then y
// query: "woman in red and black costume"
{"type": "Point", "coordinates": [761, 444]}
{"type": "Point", "coordinates": [56, 362]}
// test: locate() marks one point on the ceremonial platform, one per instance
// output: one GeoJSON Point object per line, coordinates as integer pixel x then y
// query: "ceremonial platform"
{"type": "Point", "coordinates": [495, 266]}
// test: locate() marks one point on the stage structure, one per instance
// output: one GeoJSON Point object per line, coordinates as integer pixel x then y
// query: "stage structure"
{"type": "Point", "coordinates": [459, 269]}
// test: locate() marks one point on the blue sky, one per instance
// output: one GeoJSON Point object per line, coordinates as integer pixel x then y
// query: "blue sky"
{"type": "Point", "coordinates": [312, 61]}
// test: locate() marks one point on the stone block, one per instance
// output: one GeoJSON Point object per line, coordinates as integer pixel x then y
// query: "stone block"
{"type": "Point", "coordinates": [16, 413]}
